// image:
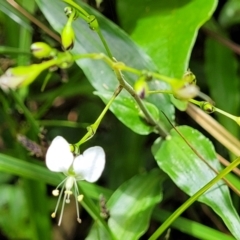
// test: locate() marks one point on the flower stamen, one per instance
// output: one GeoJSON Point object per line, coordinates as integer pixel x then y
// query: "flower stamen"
{"type": "Point", "coordinates": [53, 215]}
{"type": "Point", "coordinates": [76, 193]}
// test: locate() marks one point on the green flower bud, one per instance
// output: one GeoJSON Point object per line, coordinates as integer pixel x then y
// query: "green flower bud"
{"type": "Point", "coordinates": [207, 107]}
{"type": "Point", "coordinates": [23, 75]}
{"type": "Point", "coordinates": [19, 76]}
{"type": "Point", "coordinates": [68, 36]}
{"type": "Point", "coordinates": [42, 50]}
{"type": "Point", "coordinates": [189, 77]}
{"type": "Point", "coordinates": [93, 23]}
{"type": "Point", "coordinates": [141, 87]}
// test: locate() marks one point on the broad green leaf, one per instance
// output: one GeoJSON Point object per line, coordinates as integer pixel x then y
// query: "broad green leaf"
{"type": "Point", "coordinates": [166, 30]}
{"type": "Point", "coordinates": [99, 73]}
{"type": "Point", "coordinates": [190, 173]}
{"type": "Point", "coordinates": [131, 206]}
{"type": "Point", "coordinates": [223, 81]}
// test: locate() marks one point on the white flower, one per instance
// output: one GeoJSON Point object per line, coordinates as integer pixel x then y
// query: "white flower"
{"type": "Point", "coordinates": [87, 166]}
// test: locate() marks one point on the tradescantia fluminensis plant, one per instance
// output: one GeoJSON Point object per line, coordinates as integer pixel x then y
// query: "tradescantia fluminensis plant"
{"type": "Point", "coordinates": [142, 91]}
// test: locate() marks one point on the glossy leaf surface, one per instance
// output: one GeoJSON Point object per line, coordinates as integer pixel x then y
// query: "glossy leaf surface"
{"type": "Point", "coordinates": [131, 205]}
{"type": "Point", "coordinates": [190, 173]}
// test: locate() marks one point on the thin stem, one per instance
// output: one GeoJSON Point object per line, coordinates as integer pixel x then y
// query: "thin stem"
{"type": "Point", "coordinates": [85, 16]}
{"type": "Point", "coordinates": [34, 20]}
{"type": "Point", "coordinates": [236, 119]}
{"type": "Point", "coordinates": [191, 200]}
{"type": "Point", "coordinates": [127, 87]}
{"type": "Point", "coordinates": [75, 5]}
{"type": "Point", "coordinates": [140, 103]}
{"type": "Point", "coordinates": [160, 91]}
{"type": "Point", "coordinates": [104, 43]}
{"type": "Point", "coordinates": [93, 128]}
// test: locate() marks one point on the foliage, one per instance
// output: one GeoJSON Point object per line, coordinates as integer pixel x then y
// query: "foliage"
{"type": "Point", "coordinates": [138, 68]}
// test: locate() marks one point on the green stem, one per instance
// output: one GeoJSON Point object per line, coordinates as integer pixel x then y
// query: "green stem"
{"type": "Point", "coordinates": [192, 199]}
{"type": "Point", "coordinates": [195, 102]}
{"type": "Point", "coordinates": [93, 128]}
{"type": "Point", "coordinates": [140, 103]}
{"type": "Point", "coordinates": [126, 86]}
{"type": "Point", "coordinates": [160, 91]}
{"type": "Point", "coordinates": [85, 16]}
{"type": "Point", "coordinates": [75, 5]}
{"type": "Point", "coordinates": [226, 114]}
{"type": "Point", "coordinates": [104, 43]}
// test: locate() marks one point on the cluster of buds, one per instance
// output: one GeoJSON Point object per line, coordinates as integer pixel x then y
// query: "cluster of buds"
{"type": "Point", "coordinates": [24, 75]}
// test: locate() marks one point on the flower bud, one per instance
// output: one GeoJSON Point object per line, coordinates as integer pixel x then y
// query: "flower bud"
{"type": "Point", "coordinates": [68, 36]}
{"type": "Point", "coordinates": [207, 107]}
{"type": "Point", "coordinates": [141, 87]}
{"type": "Point", "coordinates": [23, 75]}
{"type": "Point", "coordinates": [42, 50]}
{"type": "Point", "coordinates": [189, 77]}
{"type": "Point", "coordinates": [18, 76]}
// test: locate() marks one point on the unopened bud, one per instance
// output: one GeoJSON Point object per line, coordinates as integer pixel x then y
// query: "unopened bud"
{"type": "Point", "coordinates": [189, 77]}
{"type": "Point", "coordinates": [141, 87]}
{"type": "Point", "coordinates": [207, 107]}
{"type": "Point", "coordinates": [42, 50]}
{"type": "Point", "coordinates": [68, 37]}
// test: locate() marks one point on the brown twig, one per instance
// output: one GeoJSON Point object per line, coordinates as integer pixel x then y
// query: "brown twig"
{"type": "Point", "coordinates": [34, 20]}
{"type": "Point", "coordinates": [214, 128]}
{"type": "Point", "coordinates": [226, 42]}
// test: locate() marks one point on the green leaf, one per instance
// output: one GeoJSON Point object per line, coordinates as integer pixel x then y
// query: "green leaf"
{"type": "Point", "coordinates": [131, 206]}
{"type": "Point", "coordinates": [99, 73]}
{"type": "Point", "coordinates": [166, 30]}
{"type": "Point", "coordinates": [190, 173]}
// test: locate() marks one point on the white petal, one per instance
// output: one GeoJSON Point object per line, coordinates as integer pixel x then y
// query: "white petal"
{"type": "Point", "coordinates": [59, 157]}
{"type": "Point", "coordinates": [90, 164]}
